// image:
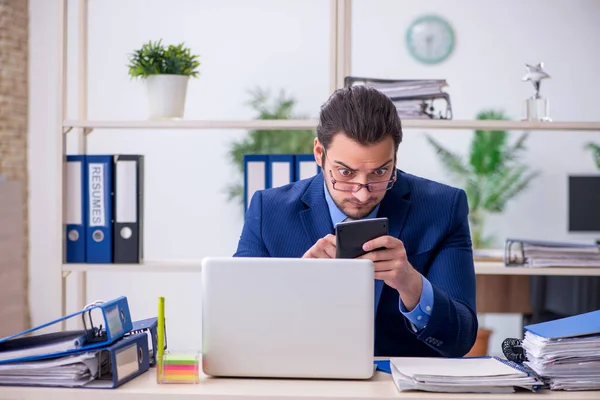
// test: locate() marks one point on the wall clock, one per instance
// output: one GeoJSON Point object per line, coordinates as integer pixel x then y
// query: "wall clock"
{"type": "Point", "coordinates": [430, 39]}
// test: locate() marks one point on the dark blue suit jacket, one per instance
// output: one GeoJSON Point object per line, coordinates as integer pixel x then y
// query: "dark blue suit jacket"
{"type": "Point", "coordinates": [431, 220]}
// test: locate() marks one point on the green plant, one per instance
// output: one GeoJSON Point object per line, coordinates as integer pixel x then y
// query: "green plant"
{"type": "Point", "coordinates": [491, 175]}
{"type": "Point", "coordinates": [269, 141]}
{"type": "Point", "coordinates": [153, 58]}
{"type": "Point", "coordinates": [595, 149]}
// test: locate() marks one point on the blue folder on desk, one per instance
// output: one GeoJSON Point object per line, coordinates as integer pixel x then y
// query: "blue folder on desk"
{"type": "Point", "coordinates": [103, 324]}
{"type": "Point", "coordinates": [575, 326]}
{"type": "Point", "coordinates": [106, 367]}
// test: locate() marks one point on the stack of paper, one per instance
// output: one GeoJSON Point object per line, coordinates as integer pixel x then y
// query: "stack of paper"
{"type": "Point", "coordinates": [461, 375]}
{"type": "Point", "coordinates": [69, 370]}
{"type": "Point", "coordinates": [566, 352]}
{"type": "Point", "coordinates": [535, 253]}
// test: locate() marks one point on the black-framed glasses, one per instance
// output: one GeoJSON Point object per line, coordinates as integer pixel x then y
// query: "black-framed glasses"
{"type": "Point", "coordinates": [354, 187]}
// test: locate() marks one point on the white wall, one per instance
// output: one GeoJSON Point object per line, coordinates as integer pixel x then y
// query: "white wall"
{"type": "Point", "coordinates": [286, 45]}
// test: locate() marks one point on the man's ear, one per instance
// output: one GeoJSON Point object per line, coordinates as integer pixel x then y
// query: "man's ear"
{"type": "Point", "coordinates": [318, 152]}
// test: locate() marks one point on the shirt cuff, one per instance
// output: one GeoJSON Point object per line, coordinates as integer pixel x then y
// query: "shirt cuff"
{"type": "Point", "coordinates": [419, 316]}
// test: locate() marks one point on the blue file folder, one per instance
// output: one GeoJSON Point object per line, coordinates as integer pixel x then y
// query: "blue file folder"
{"type": "Point", "coordinates": [149, 326]}
{"type": "Point", "coordinates": [76, 213]}
{"type": "Point", "coordinates": [99, 237]}
{"type": "Point", "coordinates": [105, 367]}
{"type": "Point", "coordinates": [568, 327]}
{"type": "Point", "coordinates": [305, 166]}
{"type": "Point", "coordinates": [103, 324]}
{"type": "Point", "coordinates": [281, 170]}
{"type": "Point", "coordinates": [256, 175]}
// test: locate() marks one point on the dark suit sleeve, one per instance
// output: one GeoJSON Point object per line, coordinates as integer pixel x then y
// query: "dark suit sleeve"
{"type": "Point", "coordinates": [452, 326]}
{"type": "Point", "coordinates": [251, 243]}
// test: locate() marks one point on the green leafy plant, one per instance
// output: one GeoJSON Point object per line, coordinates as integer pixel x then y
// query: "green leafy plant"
{"type": "Point", "coordinates": [153, 58]}
{"type": "Point", "coordinates": [260, 141]}
{"type": "Point", "coordinates": [595, 149]}
{"type": "Point", "coordinates": [491, 174]}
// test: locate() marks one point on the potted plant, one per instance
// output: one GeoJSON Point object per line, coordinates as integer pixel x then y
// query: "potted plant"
{"type": "Point", "coordinates": [492, 173]}
{"type": "Point", "coordinates": [259, 141]}
{"type": "Point", "coordinates": [166, 71]}
{"type": "Point", "coordinates": [595, 149]}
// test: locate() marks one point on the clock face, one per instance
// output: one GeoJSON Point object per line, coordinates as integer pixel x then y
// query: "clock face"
{"type": "Point", "coordinates": [430, 39]}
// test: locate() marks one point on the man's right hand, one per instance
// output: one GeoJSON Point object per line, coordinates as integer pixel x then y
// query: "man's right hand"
{"type": "Point", "coordinates": [324, 248]}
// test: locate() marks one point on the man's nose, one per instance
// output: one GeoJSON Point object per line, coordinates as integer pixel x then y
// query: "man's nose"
{"type": "Point", "coordinates": [362, 195]}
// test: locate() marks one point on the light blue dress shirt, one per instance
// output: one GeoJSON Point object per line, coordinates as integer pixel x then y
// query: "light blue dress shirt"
{"type": "Point", "coordinates": [419, 316]}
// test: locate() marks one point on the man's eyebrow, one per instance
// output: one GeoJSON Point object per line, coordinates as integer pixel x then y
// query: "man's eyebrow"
{"type": "Point", "coordinates": [354, 169]}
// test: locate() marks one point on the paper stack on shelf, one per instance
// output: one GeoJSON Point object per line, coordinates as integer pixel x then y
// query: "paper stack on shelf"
{"type": "Point", "coordinates": [461, 375]}
{"type": "Point", "coordinates": [536, 254]}
{"type": "Point", "coordinates": [414, 98]}
{"type": "Point", "coordinates": [566, 352]}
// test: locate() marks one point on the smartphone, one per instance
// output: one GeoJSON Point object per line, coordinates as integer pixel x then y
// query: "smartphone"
{"type": "Point", "coordinates": [351, 235]}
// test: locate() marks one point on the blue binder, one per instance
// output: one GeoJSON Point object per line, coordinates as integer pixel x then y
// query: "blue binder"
{"type": "Point", "coordinates": [256, 175]}
{"type": "Point", "coordinates": [109, 367]}
{"type": "Point", "coordinates": [76, 213]}
{"type": "Point", "coordinates": [149, 326]}
{"type": "Point", "coordinates": [103, 324]}
{"type": "Point", "coordinates": [99, 237]}
{"type": "Point", "coordinates": [568, 327]}
{"type": "Point", "coordinates": [305, 166]}
{"type": "Point", "coordinates": [281, 170]}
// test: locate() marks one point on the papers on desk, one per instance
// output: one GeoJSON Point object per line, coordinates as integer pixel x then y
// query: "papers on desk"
{"type": "Point", "coordinates": [460, 375]}
{"type": "Point", "coordinates": [566, 352]}
{"type": "Point", "coordinates": [539, 254]}
{"type": "Point", "coordinates": [65, 371]}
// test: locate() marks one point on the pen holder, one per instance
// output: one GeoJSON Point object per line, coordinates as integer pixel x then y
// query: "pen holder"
{"type": "Point", "coordinates": [178, 367]}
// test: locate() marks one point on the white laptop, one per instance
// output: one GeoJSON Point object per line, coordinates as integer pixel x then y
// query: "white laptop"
{"type": "Point", "coordinates": [288, 318]}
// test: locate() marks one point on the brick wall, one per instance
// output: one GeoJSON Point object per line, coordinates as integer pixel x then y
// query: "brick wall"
{"type": "Point", "coordinates": [13, 128]}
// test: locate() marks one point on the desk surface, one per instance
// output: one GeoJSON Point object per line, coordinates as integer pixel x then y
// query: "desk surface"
{"type": "Point", "coordinates": [379, 387]}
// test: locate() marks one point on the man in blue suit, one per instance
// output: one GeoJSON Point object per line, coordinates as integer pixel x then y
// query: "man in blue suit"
{"type": "Point", "coordinates": [424, 275]}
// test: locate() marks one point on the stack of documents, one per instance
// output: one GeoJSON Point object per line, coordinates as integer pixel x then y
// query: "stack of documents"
{"type": "Point", "coordinates": [535, 253]}
{"type": "Point", "coordinates": [461, 375]}
{"type": "Point", "coordinates": [413, 98]}
{"type": "Point", "coordinates": [566, 352]}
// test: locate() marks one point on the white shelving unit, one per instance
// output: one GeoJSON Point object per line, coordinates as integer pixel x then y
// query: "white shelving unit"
{"type": "Point", "coordinates": [339, 68]}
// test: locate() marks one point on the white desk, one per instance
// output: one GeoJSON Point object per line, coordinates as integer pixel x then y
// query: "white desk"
{"type": "Point", "coordinates": [379, 387]}
{"type": "Point", "coordinates": [498, 268]}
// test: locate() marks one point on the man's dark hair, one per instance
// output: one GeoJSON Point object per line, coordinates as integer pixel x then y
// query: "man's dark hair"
{"type": "Point", "coordinates": [362, 113]}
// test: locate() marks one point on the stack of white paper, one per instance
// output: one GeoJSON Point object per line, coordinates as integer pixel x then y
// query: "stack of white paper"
{"type": "Point", "coordinates": [76, 370]}
{"type": "Point", "coordinates": [566, 363]}
{"type": "Point", "coordinates": [460, 375]}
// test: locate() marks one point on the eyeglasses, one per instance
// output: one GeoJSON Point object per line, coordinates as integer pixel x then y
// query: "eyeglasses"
{"type": "Point", "coordinates": [354, 187]}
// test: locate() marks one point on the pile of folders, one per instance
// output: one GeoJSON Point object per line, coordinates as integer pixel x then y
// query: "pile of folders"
{"type": "Point", "coordinates": [108, 351]}
{"type": "Point", "coordinates": [104, 208]}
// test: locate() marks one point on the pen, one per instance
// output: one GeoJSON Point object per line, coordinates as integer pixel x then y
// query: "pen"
{"type": "Point", "coordinates": [161, 336]}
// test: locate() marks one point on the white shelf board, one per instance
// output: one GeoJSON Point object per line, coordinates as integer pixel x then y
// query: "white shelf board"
{"type": "Point", "coordinates": [481, 268]}
{"type": "Point", "coordinates": [286, 124]}
{"type": "Point", "coordinates": [311, 124]}
{"type": "Point", "coordinates": [147, 266]}
{"type": "Point", "coordinates": [498, 268]}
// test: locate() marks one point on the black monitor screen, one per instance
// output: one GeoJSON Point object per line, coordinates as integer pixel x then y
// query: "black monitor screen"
{"type": "Point", "coordinates": [584, 203]}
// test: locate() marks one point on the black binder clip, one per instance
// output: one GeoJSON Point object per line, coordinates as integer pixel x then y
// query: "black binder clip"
{"type": "Point", "coordinates": [513, 350]}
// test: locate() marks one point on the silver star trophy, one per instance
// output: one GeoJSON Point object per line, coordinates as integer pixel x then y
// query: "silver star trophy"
{"type": "Point", "coordinates": [536, 107]}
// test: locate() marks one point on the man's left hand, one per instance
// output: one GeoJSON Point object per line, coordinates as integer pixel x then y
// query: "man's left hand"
{"type": "Point", "coordinates": [392, 266]}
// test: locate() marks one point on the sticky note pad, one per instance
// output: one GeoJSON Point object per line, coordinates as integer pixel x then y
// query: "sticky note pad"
{"type": "Point", "coordinates": [182, 367]}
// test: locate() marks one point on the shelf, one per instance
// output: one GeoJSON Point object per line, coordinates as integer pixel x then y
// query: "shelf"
{"type": "Point", "coordinates": [311, 124]}
{"type": "Point", "coordinates": [148, 266]}
{"type": "Point", "coordinates": [481, 268]}
{"type": "Point", "coordinates": [498, 268]}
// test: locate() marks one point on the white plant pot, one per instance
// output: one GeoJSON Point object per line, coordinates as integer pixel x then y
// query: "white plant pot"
{"type": "Point", "coordinates": [166, 95]}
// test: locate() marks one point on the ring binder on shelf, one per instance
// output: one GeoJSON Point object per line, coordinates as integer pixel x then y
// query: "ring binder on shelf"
{"type": "Point", "coordinates": [103, 322]}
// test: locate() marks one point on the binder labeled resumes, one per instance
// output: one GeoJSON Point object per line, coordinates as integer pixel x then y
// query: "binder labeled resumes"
{"type": "Point", "coordinates": [102, 368]}
{"type": "Point", "coordinates": [76, 210]}
{"type": "Point", "coordinates": [99, 238]}
{"type": "Point", "coordinates": [103, 323]}
{"type": "Point", "coordinates": [128, 197]}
